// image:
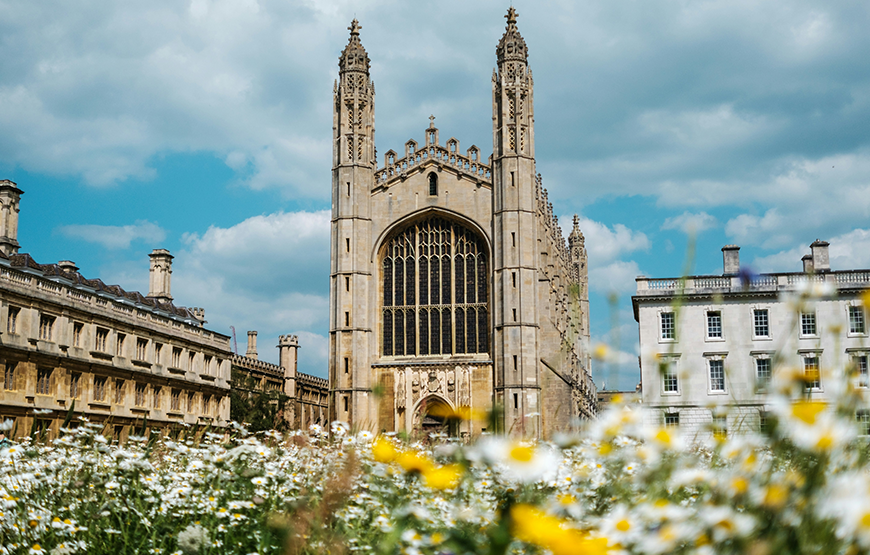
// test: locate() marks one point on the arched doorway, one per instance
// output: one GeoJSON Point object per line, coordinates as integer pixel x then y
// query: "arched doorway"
{"type": "Point", "coordinates": [434, 416]}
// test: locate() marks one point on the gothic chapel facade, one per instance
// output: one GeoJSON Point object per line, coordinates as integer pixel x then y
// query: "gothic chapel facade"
{"type": "Point", "coordinates": [451, 285]}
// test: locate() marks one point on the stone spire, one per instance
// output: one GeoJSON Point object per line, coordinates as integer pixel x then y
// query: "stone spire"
{"type": "Point", "coordinates": [576, 235]}
{"type": "Point", "coordinates": [512, 46]}
{"type": "Point", "coordinates": [354, 56]}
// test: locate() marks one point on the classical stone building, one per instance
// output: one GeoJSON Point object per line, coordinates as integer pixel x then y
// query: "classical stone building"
{"type": "Point", "coordinates": [122, 358]}
{"type": "Point", "coordinates": [706, 366]}
{"type": "Point", "coordinates": [451, 284]}
{"type": "Point", "coordinates": [307, 395]}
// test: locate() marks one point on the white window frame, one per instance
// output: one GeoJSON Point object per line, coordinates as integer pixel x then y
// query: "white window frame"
{"type": "Point", "coordinates": [671, 362]}
{"type": "Point", "coordinates": [860, 309]}
{"type": "Point", "coordinates": [857, 354]}
{"type": "Point", "coordinates": [718, 358]}
{"type": "Point", "coordinates": [817, 355]}
{"type": "Point", "coordinates": [707, 314]}
{"type": "Point", "coordinates": [759, 387]}
{"type": "Point", "coordinates": [815, 333]}
{"type": "Point", "coordinates": [755, 336]}
{"type": "Point", "coordinates": [662, 338]}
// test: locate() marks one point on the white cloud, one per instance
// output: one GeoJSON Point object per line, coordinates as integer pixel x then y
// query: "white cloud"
{"type": "Point", "coordinates": [849, 251]}
{"type": "Point", "coordinates": [769, 231]}
{"type": "Point", "coordinates": [616, 277]}
{"type": "Point", "coordinates": [268, 273]}
{"type": "Point", "coordinates": [603, 243]}
{"type": "Point", "coordinates": [691, 224]}
{"type": "Point", "coordinates": [115, 237]}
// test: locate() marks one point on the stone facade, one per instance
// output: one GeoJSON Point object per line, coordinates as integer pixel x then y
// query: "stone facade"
{"type": "Point", "coordinates": [307, 395]}
{"type": "Point", "coordinates": [120, 357]}
{"type": "Point", "coordinates": [710, 368]}
{"type": "Point", "coordinates": [451, 284]}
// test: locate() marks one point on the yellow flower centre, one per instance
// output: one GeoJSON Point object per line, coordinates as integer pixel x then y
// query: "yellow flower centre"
{"type": "Point", "coordinates": [623, 525]}
{"type": "Point", "coordinates": [865, 520]}
{"type": "Point", "coordinates": [522, 453]}
{"type": "Point", "coordinates": [740, 484]}
{"type": "Point", "coordinates": [807, 411]}
{"type": "Point", "coordinates": [663, 437]}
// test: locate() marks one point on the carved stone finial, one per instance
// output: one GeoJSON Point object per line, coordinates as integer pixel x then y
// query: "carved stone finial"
{"type": "Point", "coordinates": [431, 122]}
{"type": "Point", "coordinates": [354, 27]}
{"type": "Point", "coordinates": [576, 222]}
{"type": "Point", "coordinates": [511, 17]}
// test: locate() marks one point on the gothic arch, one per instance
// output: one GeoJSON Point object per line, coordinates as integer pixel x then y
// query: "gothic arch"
{"type": "Point", "coordinates": [431, 415]}
{"type": "Point", "coordinates": [425, 213]}
{"type": "Point", "coordinates": [434, 282]}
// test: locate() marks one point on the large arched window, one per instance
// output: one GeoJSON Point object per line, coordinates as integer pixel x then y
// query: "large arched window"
{"type": "Point", "coordinates": [435, 276]}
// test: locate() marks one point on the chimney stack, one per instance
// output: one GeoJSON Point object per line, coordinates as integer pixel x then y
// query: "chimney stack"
{"type": "Point", "coordinates": [288, 347]}
{"type": "Point", "coordinates": [821, 263]}
{"type": "Point", "coordinates": [10, 197]}
{"type": "Point", "coordinates": [68, 266]}
{"type": "Point", "coordinates": [252, 345]}
{"type": "Point", "coordinates": [808, 263]}
{"type": "Point", "coordinates": [731, 259]}
{"type": "Point", "coordinates": [161, 275]}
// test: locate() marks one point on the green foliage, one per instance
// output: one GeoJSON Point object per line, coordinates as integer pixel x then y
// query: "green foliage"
{"type": "Point", "coordinates": [259, 410]}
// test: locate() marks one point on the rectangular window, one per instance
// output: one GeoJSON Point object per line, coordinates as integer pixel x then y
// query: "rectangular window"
{"type": "Point", "coordinates": [100, 340]}
{"type": "Point", "coordinates": [141, 348]}
{"type": "Point", "coordinates": [856, 320]}
{"type": "Point", "coordinates": [764, 422]}
{"type": "Point", "coordinates": [672, 420]}
{"type": "Point", "coordinates": [191, 358]}
{"type": "Point", "coordinates": [762, 373]}
{"type": "Point", "coordinates": [206, 404]}
{"type": "Point", "coordinates": [347, 319]}
{"type": "Point", "coordinates": [513, 239]}
{"type": "Point", "coordinates": [515, 315]}
{"type": "Point", "coordinates": [43, 381]}
{"type": "Point", "coordinates": [46, 327]}
{"type": "Point", "coordinates": [206, 363]}
{"type": "Point", "coordinates": [9, 377]}
{"type": "Point", "coordinates": [74, 381]}
{"type": "Point", "coordinates": [175, 400]}
{"type": "Point", "coordinates": [668, 325]}
{"type": "Point", "coordinates": [808, 323]}
{"type": "Point", "coordinates": [158, 348]}
{"type": "Point", "coordinates": [863, 418]}
{"type": "Point", "coordinates": [720, 426]}
{"type": "Point", "coordinates": [812, 376]}
{"type": "Point", "coordinates": [717, 375]}
{"type": "Point", "coordinates": [140, 395]}
{"type": "Point", "coordinates": [670, 382]}
{"type": "Point", "coordinates": [155, 396]}
{"type": "Point", "coordinates": [714, 324]}
{"type": "Point", "coordinates": [120, 391]}
{"type": "Point", "coordinates": [762, 323]}
{"type": "Point", "coordinates": [119, 344]}
{"type": "Point", "coordinates": [176, 357]}
{"type": "Point", "coordinates": [346, 365]}
{"type": "Point", "coordinates": [860, 362]}
{"type": "Point", "coordinates": [12, 320]}
{"type": "Point", "coordinates": [99, 388]}
{"type": "Point", "coordinates": [347, 244]}
{"type": "Point", "coordinates": [345, 403]}
{"type": "Point", "coordinates": [78, 330]}
{"type": "Point", "coordinates": [347, 284]}
{"type": "Point", "coordinates": [514, 279]}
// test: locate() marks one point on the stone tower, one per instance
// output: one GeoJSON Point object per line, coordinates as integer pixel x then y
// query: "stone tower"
{"type": "Point", "coordinates": [10, 197]}
{"type": "Point", "coordinates": [514, 232]}
{"type": "Point", "coordinates": [353, 160]}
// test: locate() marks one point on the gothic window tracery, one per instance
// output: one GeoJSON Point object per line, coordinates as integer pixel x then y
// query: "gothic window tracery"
{"type": "Point", "coordinates": [433, 184]}
{"type": "Point", "coordinates": [435, 276]}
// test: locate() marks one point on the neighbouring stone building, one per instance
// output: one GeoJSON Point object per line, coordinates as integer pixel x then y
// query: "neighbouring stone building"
{"type": "Point", "coordinates": [451, 284]}
{"type": "Point", "coordinates": [122, 358]}
{"type": "Point", "coordinates": [307, 394]}
{"type": "Point", "coordinates": [709, 369]}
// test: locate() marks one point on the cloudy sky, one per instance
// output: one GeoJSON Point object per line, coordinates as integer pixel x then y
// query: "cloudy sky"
{"type": "Point", "coordinates": [204, 127]}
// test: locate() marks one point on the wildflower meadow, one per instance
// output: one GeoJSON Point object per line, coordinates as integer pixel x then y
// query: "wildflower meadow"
{"type": "Point", "coordinates": [800, 485]}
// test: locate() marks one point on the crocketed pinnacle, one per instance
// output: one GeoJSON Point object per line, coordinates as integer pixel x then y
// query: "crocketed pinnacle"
{"type": "Point", "coordinates": [576, 235]}
{"type": "Point", "coordinates": [512, 46]}
{"type": "Point", "coordinates": [354, 56]}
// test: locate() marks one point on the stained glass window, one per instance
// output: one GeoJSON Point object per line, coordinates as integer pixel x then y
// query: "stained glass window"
{"type": "Point", "coordinates": [435, 279]}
